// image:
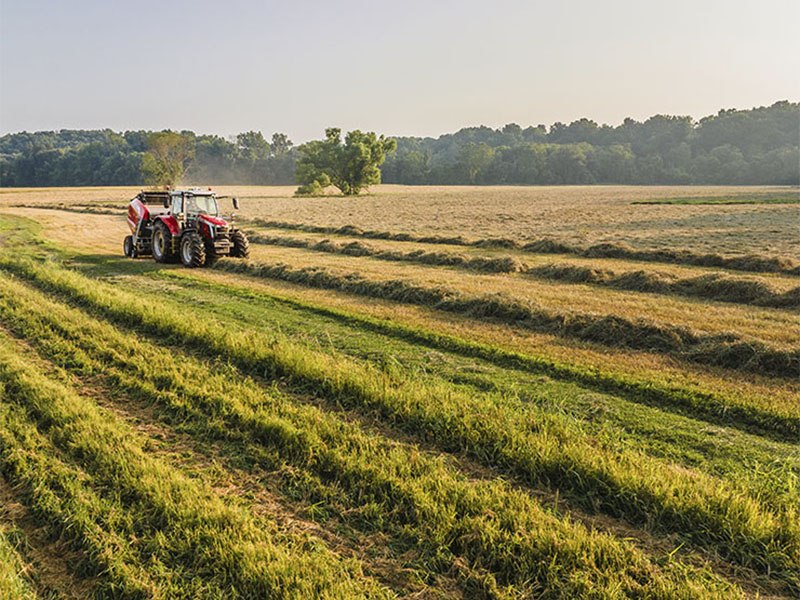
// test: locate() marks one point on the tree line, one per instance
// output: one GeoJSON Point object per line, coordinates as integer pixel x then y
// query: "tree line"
{"type": "Point", "coordinates": [105, 157]}
{"type": "Point", "coordinates": [757, 146]}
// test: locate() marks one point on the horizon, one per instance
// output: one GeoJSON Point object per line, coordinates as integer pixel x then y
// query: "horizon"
{"type": "Point", "coordinates": [232, 136]}
{"type": "Point", "coordinates": [416, 70]}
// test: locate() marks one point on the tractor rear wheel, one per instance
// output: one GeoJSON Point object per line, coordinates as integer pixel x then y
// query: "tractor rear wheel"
{"type": "Point", "coordinates": [162, 243]}
{"type": "Point", "coordinates": [128, 247]}
{"type": "Point", "coordinates": [241, 245]}
{"type": "Point", "coordinates": [193, 250]}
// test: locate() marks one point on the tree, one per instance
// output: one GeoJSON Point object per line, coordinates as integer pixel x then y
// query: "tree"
{"type": "Point", "coordinates": [350, 166]}
{"type": "Point", "coordinates": [167, 158]}
{"type": "Point", "coordinates": [281, 144]}
{"type": "Point", "coordinates": [475, 158]}
{"type": "Point", "coordinates": [252, 146]}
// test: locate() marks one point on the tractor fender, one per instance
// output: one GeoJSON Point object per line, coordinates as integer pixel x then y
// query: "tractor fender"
{"type": "Point", "coordinates": [171, 222]}
{"type": "Point", "coordinates": [137, 211]}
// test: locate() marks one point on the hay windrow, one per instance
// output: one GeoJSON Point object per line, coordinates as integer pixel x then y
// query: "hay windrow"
{"type": "Point", "coordinates": [505, 264]}
{"type": "Point", "coordinates": [750, 262]}
{"type": "Point", "coordinates": [100, 208]}
{"type": "Point", "coordinates": [712, 286]}
{"type": "Point", "coordinates": [725, 350]}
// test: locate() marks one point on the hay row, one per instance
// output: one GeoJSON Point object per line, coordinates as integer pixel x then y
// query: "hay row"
{"type": "Point", "coordinates": [750, 262]}
{"type": "Point", "coordinates": [723, 350]}
{"type": "Point", "coordinates": [95, 209]}
{"type": "Point", "coordinates": [712, 286]}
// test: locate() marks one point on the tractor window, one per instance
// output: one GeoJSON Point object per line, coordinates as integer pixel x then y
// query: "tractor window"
{"type": "Point", "coordinates": [176, 205]}
{"type": "Point", "coordinates": [203, 205]}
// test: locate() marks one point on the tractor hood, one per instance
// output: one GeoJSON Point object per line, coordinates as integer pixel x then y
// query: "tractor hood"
{"type": "Point", "coordinates": [213, 220]}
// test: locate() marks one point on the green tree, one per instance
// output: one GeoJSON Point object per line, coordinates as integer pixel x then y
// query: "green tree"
{"type": "Point", "coordinates": [167, 158]}
{"type": "Point", "coordinates": [252, 146]}
{"type": "Point", "coordinates": [350, 166]}
{"type": "Point", "coordinates": [281, 144]}
{"type": "Point", "coordinates": [475, 158]}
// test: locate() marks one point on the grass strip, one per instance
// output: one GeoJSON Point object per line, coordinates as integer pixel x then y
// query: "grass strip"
{"type": "Point", "coordinates": [219, 550]}
{"type": "Point", "coordinates": [541, 449]}
{"type": "Point", "coordinates": [484, 522]}
{"type": "Point", "coordinates": [750, 262]}
{"type": "Point", "coordinates": [720, 350]}
{"type": "Point", "coordinates": [780, 425]}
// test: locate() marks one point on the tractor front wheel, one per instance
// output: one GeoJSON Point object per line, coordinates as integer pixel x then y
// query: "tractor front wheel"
{"type": "Point", "coordinates": [162, 243]}
{"type": "Point", "coordinates": [193, 250]}
{"type": "Point", "coordinates": [211, 254]}
{"type": "Point", "coordinates": [241, 245]}
{"type": "Point", "coordinates": [128, 247]}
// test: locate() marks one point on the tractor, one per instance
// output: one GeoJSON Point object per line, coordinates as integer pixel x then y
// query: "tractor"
{"type": "Point", "coordinates": [182, 225]}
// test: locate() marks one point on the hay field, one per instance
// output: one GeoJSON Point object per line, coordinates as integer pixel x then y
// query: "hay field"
{"type": "Point", "coordinates": [581, 215]}
{"type": "Point", "coordinates": [424, 392]}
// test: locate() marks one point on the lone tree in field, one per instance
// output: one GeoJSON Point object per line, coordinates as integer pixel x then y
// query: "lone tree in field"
{"type": "Point", "coordinates": [167, 158]}
{"type": "Point", "coordinates": [350, 166]}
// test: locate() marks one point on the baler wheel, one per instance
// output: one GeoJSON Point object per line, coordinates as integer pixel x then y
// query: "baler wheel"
{"type": "Point", "coordinates": [128, 247]}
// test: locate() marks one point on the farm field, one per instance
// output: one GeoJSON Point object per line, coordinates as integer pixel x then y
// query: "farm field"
{"type": "Point", "coordinates": [424, 392]}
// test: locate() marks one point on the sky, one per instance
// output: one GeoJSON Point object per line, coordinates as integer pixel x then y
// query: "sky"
{"type": "Point", "coordinates": [401, 67]}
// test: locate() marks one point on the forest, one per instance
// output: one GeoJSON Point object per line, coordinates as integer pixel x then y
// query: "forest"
{"type": "Point", "coordinates": [737, 147]}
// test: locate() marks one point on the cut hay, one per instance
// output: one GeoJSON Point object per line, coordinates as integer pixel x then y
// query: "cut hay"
{"type": "Point", "coordinates": [750, 262]}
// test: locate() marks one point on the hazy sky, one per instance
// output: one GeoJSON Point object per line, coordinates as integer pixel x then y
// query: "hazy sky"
{"type": "Point", "coordinates": [404, 67]}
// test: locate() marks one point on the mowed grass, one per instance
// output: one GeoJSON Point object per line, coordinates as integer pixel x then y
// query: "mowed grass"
{"type": "Point", "coordinates": [464, 455]}
{"type": "Point", "coordinates": [406, 492]}
{"type": "Point", "coordinates": [146, 528]}
{"type": "Point", "coordinates": [486, 431]}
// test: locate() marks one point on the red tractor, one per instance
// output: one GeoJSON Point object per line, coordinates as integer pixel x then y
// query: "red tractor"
{"type": "Point", "coordinates": [182, 224]}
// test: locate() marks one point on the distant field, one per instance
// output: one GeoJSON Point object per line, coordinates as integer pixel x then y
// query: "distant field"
{"type": "Point", "coordinates": [582, 215]}
{"type": "Point", "coordinates": [424, 392]}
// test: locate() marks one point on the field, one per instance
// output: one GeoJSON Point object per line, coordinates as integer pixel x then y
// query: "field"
{"type": "Point", "coordinates": [577, 392]}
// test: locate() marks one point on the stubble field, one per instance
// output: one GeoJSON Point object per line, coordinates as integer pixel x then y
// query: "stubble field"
{"type": "Point", "coordinates": [424, 392]}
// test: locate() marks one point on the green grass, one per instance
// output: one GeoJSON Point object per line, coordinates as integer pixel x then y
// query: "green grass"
{"type": "Point", "coordinates": [14, 584]}
{"type": "Point", "coordinates": [149, 529]}
{"type": "Point", "coordinates": [592, 396]}
{"type": "Point", "coordinates": [395, 486]}
{"type": "Point", "coordinates": [553, 452]}
{"type": "Point", "coordinates": [725, 350]}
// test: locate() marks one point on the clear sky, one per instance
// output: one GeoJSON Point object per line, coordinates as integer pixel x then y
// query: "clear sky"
{"type": "Point", "coordinates": [401, 67]}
